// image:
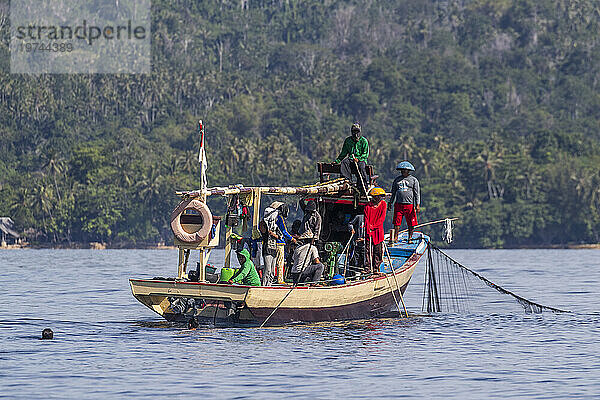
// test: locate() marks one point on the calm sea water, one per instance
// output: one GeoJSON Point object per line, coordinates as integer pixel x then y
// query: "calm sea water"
{"type": "Point", "coordinates": [107, 345]}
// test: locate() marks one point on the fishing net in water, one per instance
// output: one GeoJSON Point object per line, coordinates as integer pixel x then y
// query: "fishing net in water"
{"type": "Point", "coordinates": [452, 287]}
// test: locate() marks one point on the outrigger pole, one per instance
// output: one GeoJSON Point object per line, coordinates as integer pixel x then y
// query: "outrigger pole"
{"type": "Point", "coordinates": [430, 223]}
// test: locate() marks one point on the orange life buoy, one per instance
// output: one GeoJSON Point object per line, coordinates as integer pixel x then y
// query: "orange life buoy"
{"type": "Point", "coordinates": [207, 221]}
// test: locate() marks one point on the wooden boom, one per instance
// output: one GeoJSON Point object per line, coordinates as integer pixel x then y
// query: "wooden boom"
{"type": "Point", "coordinates": [322, 188]}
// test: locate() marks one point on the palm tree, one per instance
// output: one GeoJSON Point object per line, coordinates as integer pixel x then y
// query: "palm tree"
{"type": "Point", "coordinates": [149, 189]}
{"type": "Point", "coordinates": [41, 201]}
{"type": "Point", "coordinates": [188, 161]}
{"type": "Point", "coordinates": [407, 146]}
{"type": "Point", "coordinates": [424, 157]}
{"type": "Point", "coordinates": [21, 204]}
{"type": "Point", "coordinates": [54, 165]}
{"type": "Point", "coordinates": [490, 159]}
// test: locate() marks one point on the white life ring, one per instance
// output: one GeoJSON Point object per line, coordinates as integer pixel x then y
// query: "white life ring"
{"type": "Point", "coordinates": [207, 221]}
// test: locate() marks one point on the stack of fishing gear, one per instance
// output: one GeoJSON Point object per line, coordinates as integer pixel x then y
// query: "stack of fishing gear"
{"type": "Point", "coordinates": [450, 287]}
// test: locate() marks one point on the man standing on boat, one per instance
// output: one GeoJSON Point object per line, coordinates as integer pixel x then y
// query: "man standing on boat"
{"type": "Point", "coordinates": [353, 157]}
{"type": "Point", "coordinates": [284, 236]}
{"type": "Point", "coordinates": [356, 227]}
{"type": "Point", "coordinates": [269, 251]}
{"type": "Point", "coordinates": [406, 198]}
{"type": "Point", "coordinates": [312, 219]}
{"type": "Point", "coordinates": [375, 212]}
{"type": "Point", "coordinates": [306, 265]}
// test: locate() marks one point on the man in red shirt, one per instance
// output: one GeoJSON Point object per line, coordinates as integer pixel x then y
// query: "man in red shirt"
{"type": "Point", "coordinates": [374, 217]}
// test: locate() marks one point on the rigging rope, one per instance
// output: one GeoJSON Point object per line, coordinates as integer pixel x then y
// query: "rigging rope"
{"type": "Point", "coordinates": [450, 287]}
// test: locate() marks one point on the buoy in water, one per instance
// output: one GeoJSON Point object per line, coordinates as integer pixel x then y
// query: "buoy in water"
{"type": "Point", "coordinates": [193, 323]}
{"type": "Point", "coordinates": [47, 334]}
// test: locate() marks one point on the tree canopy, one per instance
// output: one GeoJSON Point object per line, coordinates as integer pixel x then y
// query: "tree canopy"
{"type": "Point", "coordinates": [495, 102]}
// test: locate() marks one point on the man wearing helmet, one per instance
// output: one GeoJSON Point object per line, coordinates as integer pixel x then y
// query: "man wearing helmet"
{"type": "Point", "coordinates": [353, 157]}
{"type": "Point", "coordinates": [406, 198]}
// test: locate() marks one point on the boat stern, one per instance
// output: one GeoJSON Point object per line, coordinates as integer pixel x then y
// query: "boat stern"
{"type": "Point", "coordinates": [179, 301]}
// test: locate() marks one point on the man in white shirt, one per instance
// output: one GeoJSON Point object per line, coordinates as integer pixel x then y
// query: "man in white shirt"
{"type": "Point", "coordinates": [306, 265]}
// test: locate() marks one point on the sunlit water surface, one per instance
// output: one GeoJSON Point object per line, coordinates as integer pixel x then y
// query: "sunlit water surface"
{"type": "Point", "coordinates": [107, 345]}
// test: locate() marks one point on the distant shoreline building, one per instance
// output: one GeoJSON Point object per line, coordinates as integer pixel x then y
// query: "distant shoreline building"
{"type": "Point", "coordinates": [7, 233]}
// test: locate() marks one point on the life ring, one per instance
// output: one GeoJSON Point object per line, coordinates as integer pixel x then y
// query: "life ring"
{"type": "Point", "coordinates": [207, 221]}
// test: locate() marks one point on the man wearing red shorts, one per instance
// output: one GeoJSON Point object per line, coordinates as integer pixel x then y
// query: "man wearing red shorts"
{"type": "Point", "coordinates": [406, 198]}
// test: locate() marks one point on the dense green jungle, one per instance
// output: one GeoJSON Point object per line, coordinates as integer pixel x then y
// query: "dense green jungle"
{"type": "Point", "coordinates": [495, 102]}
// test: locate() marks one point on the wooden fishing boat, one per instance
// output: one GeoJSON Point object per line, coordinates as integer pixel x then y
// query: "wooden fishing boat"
{"type": "Point", "coordinates": [205, 300]}
{"type": "Point", "coordinates": [179, 300]}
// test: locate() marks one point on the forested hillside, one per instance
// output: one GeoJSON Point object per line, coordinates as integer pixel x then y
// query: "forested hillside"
{"type": "Point", "coordinates": [495, 102]}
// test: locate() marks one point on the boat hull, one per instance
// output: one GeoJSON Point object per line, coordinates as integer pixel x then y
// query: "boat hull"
{"type": "Point", "coordinates": [371, 308]}
{"type": "Point", "coordinates": [179, 301]}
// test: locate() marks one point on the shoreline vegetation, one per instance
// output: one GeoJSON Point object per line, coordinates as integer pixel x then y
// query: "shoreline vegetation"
{"type": "Point", "coordinates": [89, 246]}
{"type": "Point", "coordinates": [495, 103]}
{"type": "Point", "coordinates": [159, 246]}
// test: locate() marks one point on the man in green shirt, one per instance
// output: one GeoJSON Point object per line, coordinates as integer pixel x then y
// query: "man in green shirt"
{"type": "Point", "coordinates": [247, 274]}
{"type": "Point", "coordinates": [353, 157]}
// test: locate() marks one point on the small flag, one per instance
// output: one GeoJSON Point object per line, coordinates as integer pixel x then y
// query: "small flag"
{"type": "Point", "coordinates": [202, 157]}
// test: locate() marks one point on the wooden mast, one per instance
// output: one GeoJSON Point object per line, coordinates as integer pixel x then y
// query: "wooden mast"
{"type": "Point", "coordinates": [255, 211]}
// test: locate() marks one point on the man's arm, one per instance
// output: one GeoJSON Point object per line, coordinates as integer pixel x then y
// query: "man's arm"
{"type": "Point", "coordinates": [344, 152]}
{"type": "Point", "coordinates": [241, 273]}
{"type": "Point", "coordinates": [352, 225]}
{"type": "Point", "coordinates": [417, 192]}
{"type": "Point", "coordinates": [281, 225]}
{"type": "Point", "coordinates": [318, 222]}
{"type": "Point", "coordinates": [355, 225]}
{"type": "Point", "coordinates": [381, 215]}
{"type": "Point", "coordinates": [394, 190]}
{"type": "Point", "coordinates": [314, 256]}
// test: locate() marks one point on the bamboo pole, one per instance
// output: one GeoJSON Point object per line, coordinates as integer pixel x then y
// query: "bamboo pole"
{"type": "Point", "coordinates": [325, 188]}
{"type": "Point", "coordinates": [180, 265]}
{"type": "Point", "coordinates": [202, 260]}
{"type": "Point", "coordinates": [347, 251]}
{"type": "Point", "coordinates": [256, 211]}
{"type": "Point", "coordinates": [430, 223]}
{"type": "Point", "coordinates": [227, 263]}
